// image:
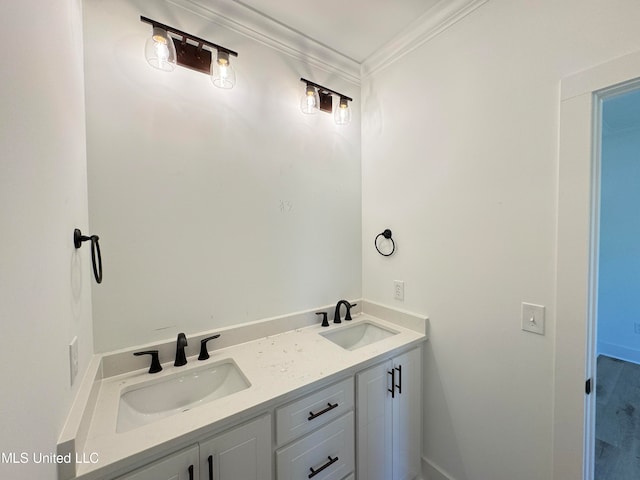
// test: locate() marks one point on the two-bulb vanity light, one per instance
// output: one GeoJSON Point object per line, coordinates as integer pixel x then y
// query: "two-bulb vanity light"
{"type": "Point", "coordinates": [316, 97]}
{"type": "Point", "coordinates": [164, 52]}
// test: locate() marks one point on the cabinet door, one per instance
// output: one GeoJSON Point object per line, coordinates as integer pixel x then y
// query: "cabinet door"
{"type": "Point", "coordinates": [177, 466]}
{"type": "Point", "coordinates": [241, 453]}
{"type": "Point", "coordinates": [407, 419]}
{"type": "Point", "coordinates": [374, 423]}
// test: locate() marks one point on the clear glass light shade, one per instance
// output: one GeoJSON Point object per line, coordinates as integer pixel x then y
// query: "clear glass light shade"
{"type": "Point", "coordinates": [342, 113]}
{"type": "Point", "coordinates": [222, 73]}
{"type": "Point", "coordinates": [160, 51]}
{"type": "Point", "coordinates": [310, 101]}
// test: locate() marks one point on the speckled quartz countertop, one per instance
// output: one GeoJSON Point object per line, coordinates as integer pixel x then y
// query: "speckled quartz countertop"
{"type": "Point", "coordinates": [278, 368]}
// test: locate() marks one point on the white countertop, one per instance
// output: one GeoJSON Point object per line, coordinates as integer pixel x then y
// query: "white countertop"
{"type": "Point", "coordinates": [276, 366]}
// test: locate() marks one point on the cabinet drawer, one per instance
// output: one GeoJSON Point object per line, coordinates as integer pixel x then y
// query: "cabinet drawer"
{"type": "Point", "coordinates": [326, 454]}
{"type": "Point", "coordinates": [313, 411]}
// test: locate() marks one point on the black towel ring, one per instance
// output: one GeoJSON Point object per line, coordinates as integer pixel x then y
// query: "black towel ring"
{"type": "Point", "coordinates": [386, 234]}
{"type": "Point", "coordinates": [78, 238]}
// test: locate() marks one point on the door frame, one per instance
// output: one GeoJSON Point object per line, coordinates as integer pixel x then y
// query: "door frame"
{"type": "Point", "coordinates": [576, 266]}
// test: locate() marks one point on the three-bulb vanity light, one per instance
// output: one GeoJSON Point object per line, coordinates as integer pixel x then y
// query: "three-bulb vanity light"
{"type": "Point", "coordinates": [316, 97]}
{"type": "Point", "coordinates": [164, 51]}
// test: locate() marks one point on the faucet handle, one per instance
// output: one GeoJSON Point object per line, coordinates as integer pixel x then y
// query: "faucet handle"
{"type": "Point", "coordinates": [325, 321]}
{"type": "Point", "coordinates": [155, 362]}
{"type": "Point", "coordinates": [348, 315]}
{"type": "Point", "coordinates": [204, 354]}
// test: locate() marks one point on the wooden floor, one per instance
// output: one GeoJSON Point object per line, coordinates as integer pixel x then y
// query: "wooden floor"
{"type": "Point", "coordinates": [617, 455]}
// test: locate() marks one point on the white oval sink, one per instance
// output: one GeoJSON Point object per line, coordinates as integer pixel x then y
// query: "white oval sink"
{"type": "Point", "coordinates": [357, 336]}
{"type": "Point", "coordinates": [162, 397]}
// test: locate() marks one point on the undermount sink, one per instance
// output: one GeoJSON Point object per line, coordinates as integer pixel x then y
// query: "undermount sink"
{"type": "Point", "coordinates": [162, 397]}
{"type": "Point", "coordinates": [356, 336]}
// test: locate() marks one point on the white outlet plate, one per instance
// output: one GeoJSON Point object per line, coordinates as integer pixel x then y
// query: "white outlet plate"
{"type": "Point", "coordinates": [398, 290]}
{"type": "Point", "coordinates": [73, 359]}
{"type": "Point", "coordinates": [533, 318]}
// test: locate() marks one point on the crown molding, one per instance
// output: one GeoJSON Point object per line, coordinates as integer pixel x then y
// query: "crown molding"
{"type": "Point", "coordinates": [253, 24]}
{"type": "Point", "coordinates": [434, 21]}
{"type": "Point", "coordinates": [249, 22]}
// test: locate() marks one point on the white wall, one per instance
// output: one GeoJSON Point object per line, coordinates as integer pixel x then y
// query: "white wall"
{"type": "Point", "coordinates": [214, 207]}
{"type": "Point", "coordinates": [459, 154]}
{"type": "Point", "coordinates": [44, 282]}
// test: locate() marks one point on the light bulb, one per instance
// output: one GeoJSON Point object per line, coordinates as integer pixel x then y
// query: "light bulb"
{"type": "Point", "coordinates": [310, 101]}
{"type": "Point", "coordinates": [222, 73]}
{"type": "Point", "coordinates": [342, 114]}
{"type": "Point", "coordinates": [160, 51]}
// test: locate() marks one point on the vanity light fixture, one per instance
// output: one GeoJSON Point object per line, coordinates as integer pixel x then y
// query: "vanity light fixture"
{"type": "Point", "coordinates": [316, 97]}
{"type": "Point", "coordinates": [168, 47]}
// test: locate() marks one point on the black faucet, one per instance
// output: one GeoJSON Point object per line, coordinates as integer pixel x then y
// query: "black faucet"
{"type": "Point", "coordinates": [325, 322]}
{"type": "Point", "coordinates": [155, 362]}
{"type": "Point", "coordinates": [204, 353]}
{"type": "Point", "coordinates": [181, 359]}
{"type": "Point", "coordinates": [336, 314]}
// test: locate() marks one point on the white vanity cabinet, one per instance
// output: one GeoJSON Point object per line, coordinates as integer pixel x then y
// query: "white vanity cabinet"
{"type": "Point", "coordinates": [354, 416]}
{"type": "Point", "coordinates": [182, 465]}
{"type": "Point", "coordinates": [241, 453]}
{"type": "Point", "coordinates": [389, 419]}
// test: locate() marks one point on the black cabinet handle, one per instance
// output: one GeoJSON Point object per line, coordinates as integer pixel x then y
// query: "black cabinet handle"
{"type": "Point", "coordinates": [329, 463]}
{"type": "Point", "coordinates": [210, 460]}
{"type": "Point", "coordinates": [321, 412]}
{"type": "Point", "coordinates": [191, 472]}
{"type": "Point", "coordinates": [399, 369]}
{"type": "Point", "coordinates": [393, 383]}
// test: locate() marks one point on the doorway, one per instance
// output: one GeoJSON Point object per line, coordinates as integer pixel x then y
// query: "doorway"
{"type": "Point", "coordinates": [576, 302]}
{"type": "Point", "coordinates": [616, 444]}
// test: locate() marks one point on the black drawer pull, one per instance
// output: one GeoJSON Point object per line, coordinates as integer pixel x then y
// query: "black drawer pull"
{"type": "Point", "coordinates": [399, 369]}
{"type": "Point", "coordinates": [393, 383]}
{"type": "Point", "coordinates": [210, 460]}
{"type": "Point", "coordinates": [190, 472]}
{"type": "Point", "coordinates": [329, 463]}
{"type": "Point", "coordinates": [321, 412]}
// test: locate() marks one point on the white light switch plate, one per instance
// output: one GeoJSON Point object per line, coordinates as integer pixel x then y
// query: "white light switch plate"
{"type": "Point", "coordinates": [533, 318]}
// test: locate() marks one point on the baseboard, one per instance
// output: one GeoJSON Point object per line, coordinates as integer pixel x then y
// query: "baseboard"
{"type": "Point", "coordinates": [431, 471]}
{"type": "Point", "coordinates": [619, 352]}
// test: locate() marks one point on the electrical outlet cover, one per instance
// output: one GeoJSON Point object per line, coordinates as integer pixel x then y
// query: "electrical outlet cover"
{"type": "Point", "coordinates": [398, 290]}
